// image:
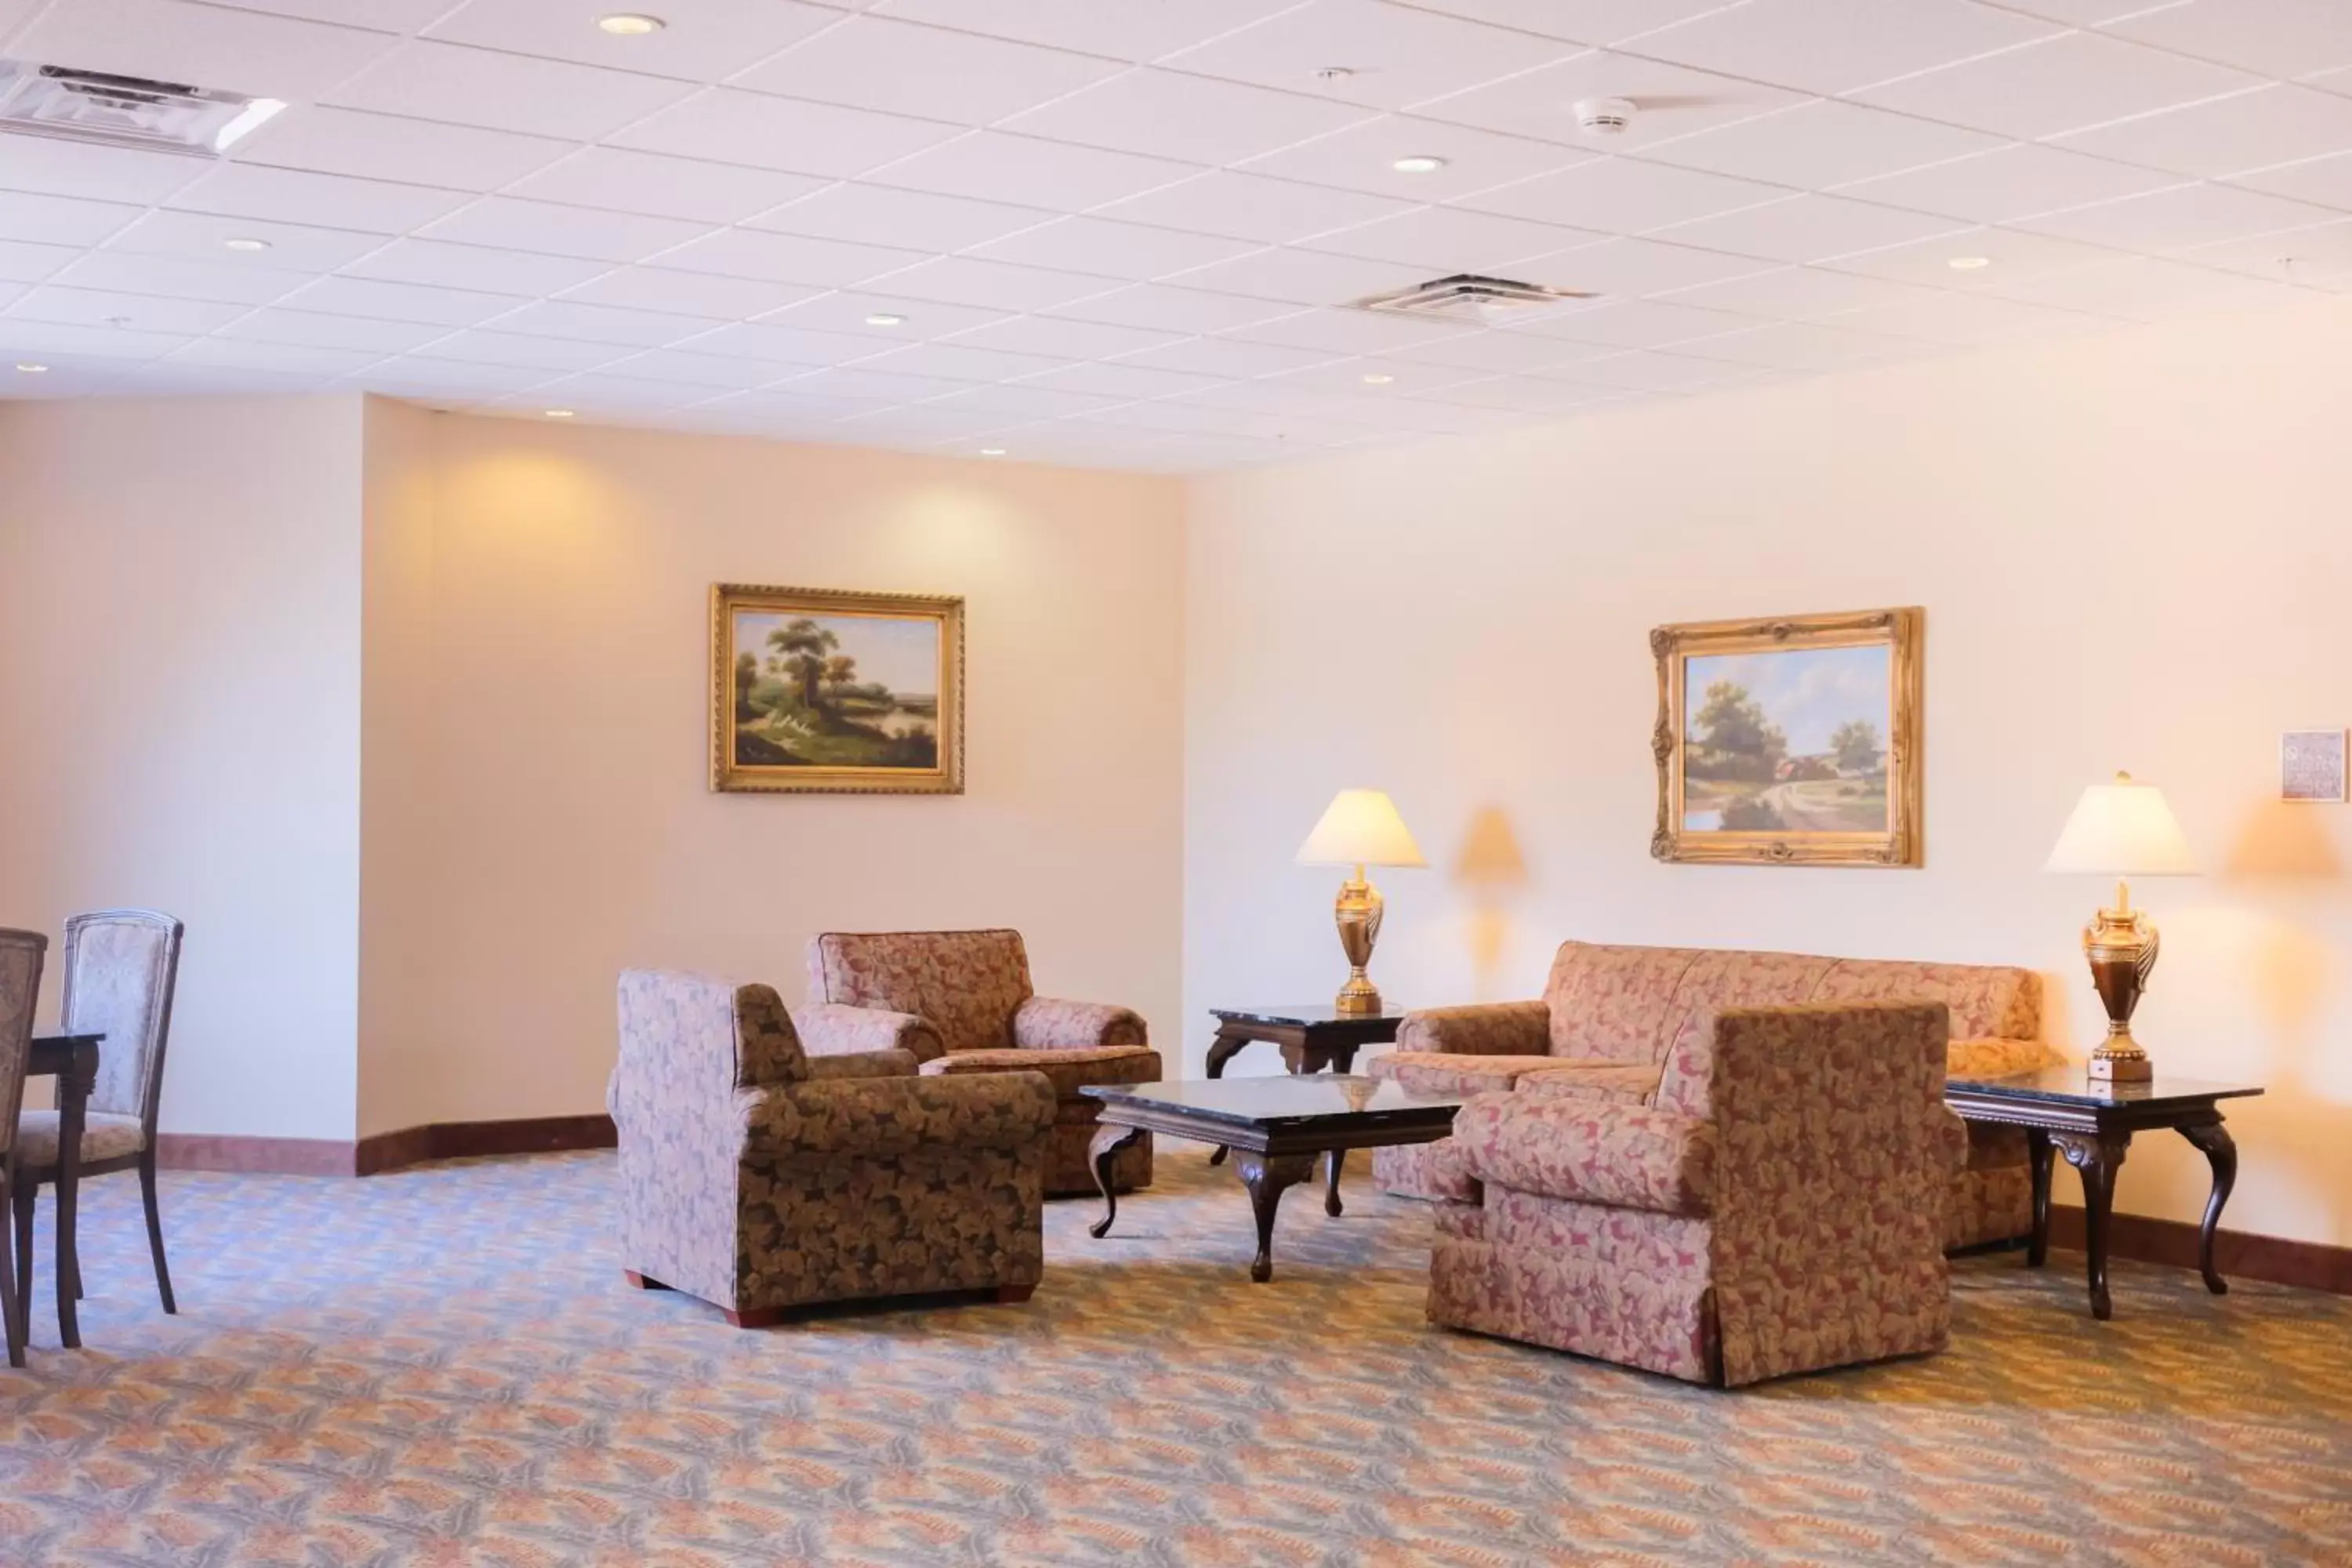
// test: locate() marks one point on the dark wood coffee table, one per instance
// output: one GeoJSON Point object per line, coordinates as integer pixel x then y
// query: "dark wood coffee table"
{"type": "Point", "coordinates": [2091, 1124]}
{"type": "Point", "coordinates": [1311, 1036]}
{"type": "Point", "coordinates": [1276, 1127]}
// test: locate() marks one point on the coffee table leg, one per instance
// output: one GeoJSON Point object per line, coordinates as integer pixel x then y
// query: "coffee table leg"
{"type": "Point", "coordinates": [1223, 1049]}
{"type": "Point", "coordinates": [1331, 1206]}
{"type": "Point", "coordinates": [1268, 1177]}
{"type": "Point", "coordinates": [1102, 1154]}
{"type": "Point", "coordinates": [2220, 1152]}
{"type": "Point", "coordinates": [2097, 1155]}
{"type": "Point", "coordinates": [2037, 1154]}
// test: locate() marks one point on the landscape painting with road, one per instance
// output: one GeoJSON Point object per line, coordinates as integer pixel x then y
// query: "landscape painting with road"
{"type": "Point", "coordinates": [1787, 741]}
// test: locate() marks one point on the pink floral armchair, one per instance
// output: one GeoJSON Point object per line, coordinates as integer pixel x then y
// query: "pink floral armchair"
{"type": "Point", "coordinates": [961, 1001]}
{"type": "Point", "coordinates": [1777, 1207]}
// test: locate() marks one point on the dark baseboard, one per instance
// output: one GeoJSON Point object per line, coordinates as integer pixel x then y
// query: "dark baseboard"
{"type": "Point", "coordinates": [381, 1151]}
{"type": "Point", "coordinates": [2311, 1265]}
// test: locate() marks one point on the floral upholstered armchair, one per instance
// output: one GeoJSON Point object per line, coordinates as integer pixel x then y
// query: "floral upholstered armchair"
{"type": "Point", "coordinates": [960, 1002]}
{"type": "Point", "coordinates": [1777, 1207]}
{"type": "Point", "coordinates": [757, 1177]}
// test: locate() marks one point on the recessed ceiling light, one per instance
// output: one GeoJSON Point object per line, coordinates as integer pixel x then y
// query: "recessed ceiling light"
{"type": "Point", "coordinates": [991, 451]}
{"type": "Point", "coordinates": [1968, 263]}
{"type": "Point", "coordinates": [630, 25]}
{"type": "Point", "coordinates": [885, 319]}
{"type": "Point", "coordinates": [559, 414]}
{"type": "Point", "coordinates": [1374, 378]}
{"type": "Point", "coordinates": [245, 242]}
{"type": "Point", "coordinates": [33, 369]}
{"type": "Point", "coordinates": [1418, 164]}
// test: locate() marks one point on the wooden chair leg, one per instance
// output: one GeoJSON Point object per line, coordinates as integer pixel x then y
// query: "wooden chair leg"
{"type": "Point", "coordinates": [21, 1202]}
{"type": "Point", "coordinates": [155, 1232]}
{"type": "Point", "coordinates": [1010, 1294]}
{"type": "Point", "coordinates": [13, 1306]}
{"type": "Point", "coordinates": [758, 1318]}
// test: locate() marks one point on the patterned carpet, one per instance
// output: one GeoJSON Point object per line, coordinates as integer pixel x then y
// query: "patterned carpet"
{"type": "Point", "coordinates": [443, 1367]}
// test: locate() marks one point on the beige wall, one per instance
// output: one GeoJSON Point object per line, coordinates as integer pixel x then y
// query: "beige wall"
{"type": "Point", "coordinates": [2132, 551]}
{"type": "Point", "coordinates": [553, 820]}
{"type": "Point", "coordinates": [179, 656]}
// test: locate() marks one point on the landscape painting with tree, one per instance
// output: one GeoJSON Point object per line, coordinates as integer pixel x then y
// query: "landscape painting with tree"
{"type": "Point", "coordinates": [831, 691]}
{"type": "Point", "coordinates": [1789, 740]}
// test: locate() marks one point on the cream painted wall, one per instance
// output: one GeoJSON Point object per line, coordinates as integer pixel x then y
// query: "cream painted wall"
{"type": "Point", "coordinates": [556, 821]}
{"type": "Point", "coordinates": [179, 655]}
{"type": "Point", "coordinates": [2132, 551]}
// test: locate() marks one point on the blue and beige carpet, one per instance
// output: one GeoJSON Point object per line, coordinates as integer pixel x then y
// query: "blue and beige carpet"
{"type": "Point", "coordinates": [444, 1367]}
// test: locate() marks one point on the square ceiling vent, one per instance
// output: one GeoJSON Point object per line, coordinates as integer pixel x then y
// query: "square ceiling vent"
{"type": "Point", "coordinates": [125, 110]}
{"type": "Point", "coordinates": [1468, 297]}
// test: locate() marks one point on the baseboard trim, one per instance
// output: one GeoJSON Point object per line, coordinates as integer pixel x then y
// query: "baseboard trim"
{"type": "Point", "coordinates": [381, 1151]}
{"type": "Point", "coordinates": [276, 1156]}
{"type": "Point", "coordinates": [2311, 1264]}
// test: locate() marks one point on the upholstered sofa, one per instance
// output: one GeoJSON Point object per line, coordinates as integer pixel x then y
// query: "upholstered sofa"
{"type": "Point", "coordinates": [1773, 1206]}
{"type": "Point", "coordinates": [759, 1178]}
{"type": "Point", "coordinates": [960, 1002]}
{"type": "Point", "coordinates": [1611, 1016]}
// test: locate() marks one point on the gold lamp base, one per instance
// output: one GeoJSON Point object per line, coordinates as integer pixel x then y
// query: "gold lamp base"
{"type": "Point", "coordinates": [1358, 911]}
{"type": "Point", "coordinates": [2121, 944]}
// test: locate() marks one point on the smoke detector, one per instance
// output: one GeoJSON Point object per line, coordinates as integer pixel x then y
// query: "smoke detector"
{"type": "Point", "coordinates": [77, 105]}
{"type": "Point", "coordinates": [1605, 116]}
{"type": "Point", "coordinates": [1467, 296]}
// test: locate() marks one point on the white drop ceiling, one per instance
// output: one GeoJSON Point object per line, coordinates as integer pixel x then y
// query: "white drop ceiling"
{"type": "Point", "coordinates": [1123, 233]}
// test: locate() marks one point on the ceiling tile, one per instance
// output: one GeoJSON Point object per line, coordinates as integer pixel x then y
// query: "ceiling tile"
{"type": "Point", "coordinates": [875, 62]}
{"type": "Point", "coordinates": [619, 180]}
{"type": "Point", "coordinates": [1800, 345]}
{"type": "Point", "coordinates": [1107, 249]}
{"type": "Point", "coordinates": [2178, 218]}
{"type": "Point", "coordinates": [913, 220]}
{"type": "Point", "coordinates": [329, 201]}
{"type": "Point", "coordinates": [785, 345]}
{"type": "Point", "coordinates": [1164, 114]}
{"type": "Point", "coordinates": [2277, 37]}
{"type": "Point", "coordinates": [1165, 307]}
{"type": "Point", "coordinates": [291, 247]}
{"type": "Point", "coordinates": [706, 39]}
{"type": "Point", "coordinates": [922, 319]}
{"type": "Point", "coordinates": [1646, 370]}
{"type": "Point", "coordinates": [1261, 396]}
{"type": "Point", "coordinates": [47, 166]}
{"type": "Point", "coordinates": [289, 358]}
{"type": "Point", "coordinates": [24, 262]}
{"type": "Point", "coordinates": [180, 277]}
{"type": "Point", "coordinates": [425, 374]}
{"type": "Point", "coordinates": [2276, 124]}
{"type": "Point", "coordinates": [1119, 379]}
{"type": "Point", "coordinates": [1302, 276]}
{"type": "Point", "coordinates": [1809, 229]}
{"type": "Point", "coordinates": [1359, 377]}
{"type": "Point", "coordinates": [1969, 320]}
{"type": "Point", "coordinates": [856, 381]}
{"type": "Point", "coordinates": [550, 229]}
{"type": "Point", "coordinates": [733, 127]}
{"type": "Point", "coordinates": [1837, 46]}
{"type": "Point", "coordinates": [962, 281]}
{"type": "Point", "coordinates": [1451, 239]}
{"type": "Point", "coordinates": [1060, 339]}
{"type": "Point", "coordinates": [2326, 181]}
{"type": "Point", "coordinates": [59, 220]}
{"type": "Point", "coordinates": [1540, 394]}
{"type": "Point", "coordinates": [1021, 401]}
{"type": "Point", "coordinates": [989, 166]}
{"type": "Point", "coordinates": [1623, 195]}
{"type": "Point", "coordinates": [1344, 332]}
{"type": "Point", "coordinates": [475, 266]}
{"type": "Point", "coordinates": [381, 147]}
{"type": "Point", "coordinates": [586, 394]}
{"type": "Point", "coordinates": [1820, 144]}
{"type": "Point", "coordinates": [1494, 352]}
{"type": "Point", "coordinates": [1363, 158]}
{"type": "Point", "coordinates": [2084, 13]}
{"type": "Point", "coordinates": [1630, 267]}
{"type": "Point", "coordinates": [1632, 324]}
{"type": "Point", "coordinates": [2016, 181]}
{"type": "Point", "coordinates": [2308, 256]}
{"type": "Point", "coordinates": [2011, 254]}
{"type": "Point", "coordinates": [1670, 100]}
{"type": "Point", "coordinates": [605, 324]}
{"type": "Point", "coordinates": [1225, 357]}
{"type": "Point", "coordinates": [1802, 294]}
{"type": "Point", "coordinates": [427, 80]}
{"type": "Point", "coordinates": [722, 372]}
{"type": "Point", "coordinates": [1394, 56]}
{"type": "Point", "coordinates": [2137, 286]}
{"type": "Point", "coordinates": [1596, 22]}
{"type": "Point", "coordinates": [243, 51]}
{"type": "Point", "coordinates": [698, 293]}
{"type": "Point", "coordinates": [491, 347]}
{"type": "Point", "coordinates": [308, 329]}
{"type": "Point", "coordinates": [1118, 30]}
{"type": "Point", "coordinates": [2066, 83]}
{"type": "Point", "coordinates": [383, 15]}
{"type": "Point", "coordinates": [786, 258]}
{"type": "Point", "coordinates": [1251, 207]}
{"type": "Point", "coordinates": [132, 312]}
{"type": "Point", "coordinates": [412, 302]}
{"type": "Point", "coordinates": [957, 363]}
{"type": "Point", "coordinates": [102, 342]}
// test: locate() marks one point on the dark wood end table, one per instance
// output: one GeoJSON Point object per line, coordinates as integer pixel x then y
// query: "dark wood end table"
{"type": "Point", "coordinates": [1312, 1036]}
{"type": "Point", "coordinates": [2091, 1124]}
{"type": "Point", "coordinates": [1276, 1127]}
{"type": "Point", "coordinates": [73, 1059]}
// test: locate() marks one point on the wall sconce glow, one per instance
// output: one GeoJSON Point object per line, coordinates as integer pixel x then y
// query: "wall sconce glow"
{"type": "Point", "coordinates": [256, 113]}
{"type": "Point", "coordinates": [559, 414]}
{"type": "Point", "coordinates": [885, 319]}
{"type": "Point", "coordinates": [991, 451]}
{"type": "Point", "coordinates": [1418, 164]}
{"type": "Point", "coordinates": [245, 242]}
{"type": "Point", "coordinates": [33, 369]}
{"type": "Point", "coordinates": [1969, 263]}
{"type": "Point", "coordinates": [630, 25]}
{"type": "Point", "coordinates": [1374, 378]}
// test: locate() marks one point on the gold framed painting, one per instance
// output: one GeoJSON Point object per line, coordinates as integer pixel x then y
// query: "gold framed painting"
{"type": "Point", "coordinates": [816, 691]}
{"type": "Point", "coordinates": [1792, 740]}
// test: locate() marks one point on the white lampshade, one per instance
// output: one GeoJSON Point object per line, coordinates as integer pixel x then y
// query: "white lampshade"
{"type": "Point", "coordinates": [2123, 829]}
{"type": "Point", "coordinates": [1360, 827]}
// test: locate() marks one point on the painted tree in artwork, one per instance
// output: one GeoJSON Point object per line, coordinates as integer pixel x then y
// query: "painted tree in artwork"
{"type": "Point", "coordinates": [840, 671]}
{"type": "Point", "coordinates": [747, 675]}
{"type": "Point", "coordinates": [802, 647]}
{"type": "Point", "coordinates": [1733, 737]}
{"type": "Point", "coordinates": [1857, 745]}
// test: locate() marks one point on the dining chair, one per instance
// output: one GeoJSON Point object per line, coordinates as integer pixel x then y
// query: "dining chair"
{"type": "Point", "coordinates": [120, 968]}
{"type": "Point", "coordinates": [21, 955]}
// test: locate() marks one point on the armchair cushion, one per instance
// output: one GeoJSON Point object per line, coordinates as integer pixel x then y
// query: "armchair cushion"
{"type": "Point", "coordinates": [105, 1135]}
{"type": "Point", "coordinates": [1432, 1072]}
{"type": "Point", "coordinates": [1618, 1083]}
{"type": "Point", "coordinates": [831, 1029]}
{"type": "Point", "coordinates": [884, 1116]}
{"type": "Point", "coordinates": [863, 1064]}
{"type": "Point", "coordinates": [1043, 1023]}
{"type": "Point", "coordinates": [1493, 1028]}
{"type": "Point", "coordinates": [1626, 1156]}
{"type": "Point", "coordinates": [1068, 1072]}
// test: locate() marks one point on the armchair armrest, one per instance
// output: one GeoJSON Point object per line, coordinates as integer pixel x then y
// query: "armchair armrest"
{"type": "Point", "coordinates": [1626, 1156]}
{"type": "Point", "coordinates": [873, 1117]}
{"type": "Point", "coordinates": [1996, 1056]}
{"type": "Point", "coordinates": [835, 1028]}
{"type": "Point", "coordinates": [863, 1064]}
{"type": "Point", "coordinates": [1043, 1023]}
{"type": "Point", "coordinates": [1486, 1030]}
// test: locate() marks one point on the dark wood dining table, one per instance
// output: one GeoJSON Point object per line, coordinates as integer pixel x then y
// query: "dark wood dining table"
{"type": "Point", "coordinates": [73, 1060]}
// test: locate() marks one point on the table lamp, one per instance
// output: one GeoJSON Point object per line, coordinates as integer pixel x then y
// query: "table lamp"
{"type": "Point", "coordinates": [1360, 827]}
{"type": "Point", "coordinates": [2121, 830]}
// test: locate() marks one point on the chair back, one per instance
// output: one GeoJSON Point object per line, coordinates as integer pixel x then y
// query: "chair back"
{"type": "Point", "coordinates": [966, 985]}
{"type": "Point", "coordinates": [692, 1040]}
{"type": "Point", "coordinates": [22, 954]}
{"type": "Point", "coordinates": [121, 967]}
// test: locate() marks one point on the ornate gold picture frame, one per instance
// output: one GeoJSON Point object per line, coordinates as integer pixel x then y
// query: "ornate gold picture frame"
{"type": "Point", "coordinates": [817, 691]}
{"type": "Point", "coordinates": [1791, 741]}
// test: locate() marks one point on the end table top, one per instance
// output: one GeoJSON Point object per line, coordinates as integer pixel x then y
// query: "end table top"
{"type": "Point", "coordinates": [2071, 1085]}
{"type": "Point", "coordinates": [1307, 1015]}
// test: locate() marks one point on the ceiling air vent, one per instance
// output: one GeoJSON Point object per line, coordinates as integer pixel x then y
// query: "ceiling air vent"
{"type": "Point", "coordinates": [1467, 296]}
{"type": "Point", "coordinates": [125, 110]}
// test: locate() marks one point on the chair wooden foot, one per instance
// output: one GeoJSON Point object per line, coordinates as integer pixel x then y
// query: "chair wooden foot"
{"type": "Point", "coordinates": [641, 1282]}
{"type": "Point", "coordinates": [12, 1321]}
{"type": "Point", "coordinates": [758, 1318]}
{"type": "Point", "coordinates": [155, 1232]}
{"type": "Point", "coordinates": [1011, 1294]}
